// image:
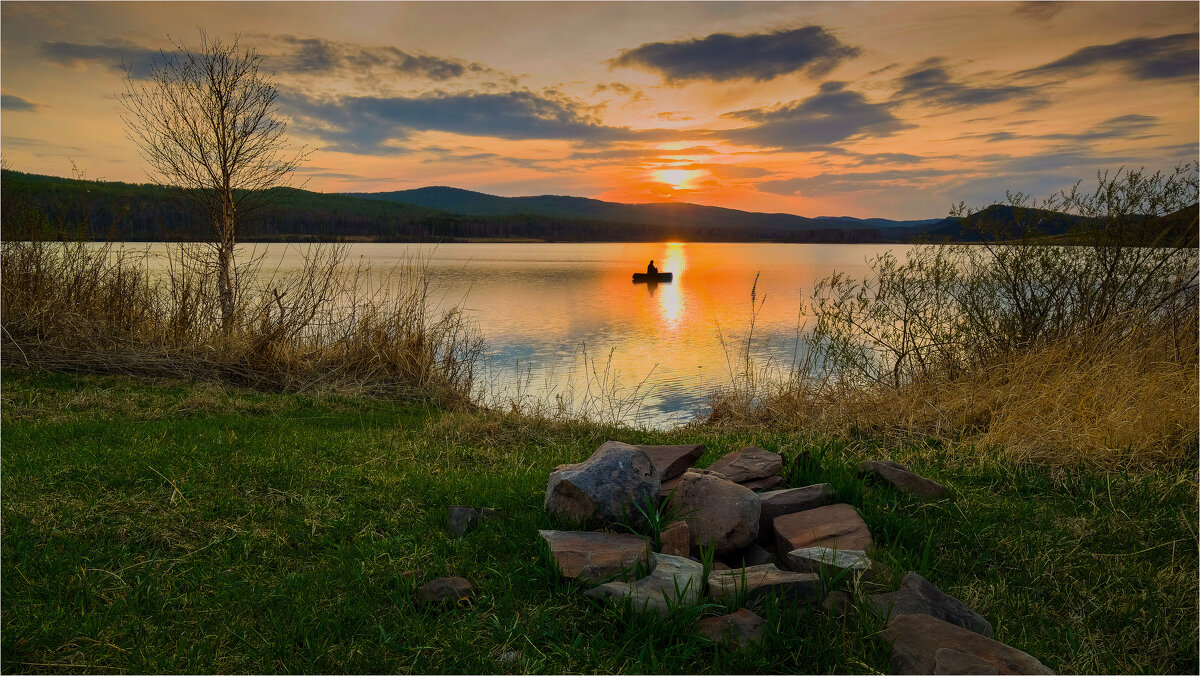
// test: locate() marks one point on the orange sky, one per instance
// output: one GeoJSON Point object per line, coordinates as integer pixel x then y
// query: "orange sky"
{"type": "Point", "coordinates": [892, 110]}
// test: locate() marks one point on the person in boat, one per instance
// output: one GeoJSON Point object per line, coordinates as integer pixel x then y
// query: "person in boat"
{"type": "Point", "coordinates": [651, 270]}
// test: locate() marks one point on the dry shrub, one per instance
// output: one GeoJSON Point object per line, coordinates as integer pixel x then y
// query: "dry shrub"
{"type": "Point", "coordinates": [97, 308]}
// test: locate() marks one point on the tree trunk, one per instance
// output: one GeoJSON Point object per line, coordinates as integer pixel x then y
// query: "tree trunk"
{"type": "Point", "coordinates": [225, 291]}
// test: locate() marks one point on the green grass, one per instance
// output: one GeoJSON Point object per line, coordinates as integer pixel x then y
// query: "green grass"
{"type": "Point", "coordinates": [176, 527]}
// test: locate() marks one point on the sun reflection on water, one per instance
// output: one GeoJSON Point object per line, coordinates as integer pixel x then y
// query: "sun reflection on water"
{"type": "Point", "coordinates": [670, 296]}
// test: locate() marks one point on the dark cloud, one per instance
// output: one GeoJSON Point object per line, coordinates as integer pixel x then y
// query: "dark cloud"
{"type": "Point", "coordinates": [832, 115]}
{"type": "Point", "coordinates": [112, 54]}
{"type": "Point", "coordinates": [1167, 57]}
{"type": "Point", "coordinates": [721, 56]}
{"type": "Point", "coordinates": [1127, 127]}
{"type": "Point", "coordinates": [16, 103]}
{"type": "Point", "coordinates": [827, 183]}
{"type": "Point", "coordinates": [364, 124]}
{"type": "Point", "coordinates": [930, 83]}
{"type": "Point", "coordinates": [1040, 11]}
{"type": "Point", "coordinates": [317, 56]}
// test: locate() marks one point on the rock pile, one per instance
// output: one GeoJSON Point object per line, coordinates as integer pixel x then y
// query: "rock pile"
{"type": "Point", "coordinates": [774, 543]}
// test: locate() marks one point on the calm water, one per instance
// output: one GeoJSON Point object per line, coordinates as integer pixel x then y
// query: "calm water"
{"type": "Point", "coordinates": [564, 323]}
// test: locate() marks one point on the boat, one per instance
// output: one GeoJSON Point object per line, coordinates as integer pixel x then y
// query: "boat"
{"type": "Point", "coordinates": [648, 278]}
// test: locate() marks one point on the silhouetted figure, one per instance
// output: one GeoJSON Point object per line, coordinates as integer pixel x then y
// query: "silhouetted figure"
{"type": "Point", "coordinates": [650, 269]}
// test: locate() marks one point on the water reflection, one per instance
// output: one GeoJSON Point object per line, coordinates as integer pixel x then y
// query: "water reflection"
{"type": "Point", "coordinates": [670, 300]}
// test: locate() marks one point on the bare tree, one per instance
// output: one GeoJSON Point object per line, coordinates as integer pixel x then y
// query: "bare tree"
{"type": "Point", "coordinates": [207, 124]}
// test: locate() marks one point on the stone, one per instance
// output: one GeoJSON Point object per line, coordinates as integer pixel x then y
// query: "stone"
{"type": "Point", "coordinates": [788, 501]}
{"type": "Point", "coordinates": [836, 526]}
{"type": "Point", "coordinates": [671, 461]}
{"type": "Point", "coordinates": [749, 463]}
{"type": "Point", "coordinates": [606, 485]}
{"type": "Point", "coordinates": [762, 484]}
{"type": "Point", "coordinates": [444, 589]}
{"type": "Point", "coordinates": [922, 644]}
{"type": "Point", "coordinates": [759, 581]}
{"type": "Point", "coordinates": [813, 559]}
{"type": "Point", "coordinates": [674, 583]}
{"type": "Point", "coordinates": [902, 479]}
{"type": "Point", "coordinates": [463, 519]}
{"type": "Point", "coordinates": [735, 629]}
{"type": "Point", "coordinates": [596, 557]}
{"type": "Point", "coordinates": [837, 603]}
{"type": "Point", "coordinates": [918, 595]}
{"type": "Point", "coordinates": [676, 539]}
{"type": "Point", "coordinates": [750, 555]}
{"type": "Point", "coordinates": [664, 490]}
{"type": "Point", "coordinates": [717, 510]}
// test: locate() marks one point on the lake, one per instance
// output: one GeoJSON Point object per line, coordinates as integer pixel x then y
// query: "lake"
{"type": "Point", "coordinates": [564, 322]}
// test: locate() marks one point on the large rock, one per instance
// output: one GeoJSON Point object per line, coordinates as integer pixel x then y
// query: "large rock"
{"type": "Point", "coordinates": [717, 510]}
{"type": "Point", "coordinates": [835, 526]}
{"type": "Point", "coordinates": [596, 557]}
{"type": "Point", "coordinates": [903, 479]}
{"type": "Point", "coordinates": [674, 583]}
{"type": "Point", "coordinates": [813, 559]}
{"type": "Point", "coordinates": [918, 595]}
{"type": "Point", "coordinates": [736, 629]}
{"type": "Point", "coordinates": [789, 501]}
{"type": "Point", "coordinates": [443, 590]}
{"type": "Point", "coordinates": [606, 485]}
{"type": "Point", "coordinates": [676, 539]}
{"type": "Point", "coordinates": [759, 581]}
{"type": "Point", "coordinates": [671, 461]}
{"type": "Point", "coordinates": [926, 645]}
{"type": "Point", "coordinates": [763, 483]}
{"type": "Point", "coordinates": [748, 464]}
{"type": "Point", "coordinates": [750, 555]}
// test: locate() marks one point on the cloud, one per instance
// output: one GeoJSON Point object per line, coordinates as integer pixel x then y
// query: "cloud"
{"type": "Point", "coordinates": [316, 56]}
{"type": "Point", "coordinates": [366, 124]}
{"type": "Point", "coordinates": [16, 103]}
{"type": "Point", "coordinates": [832, 115]}
{"type": "Point", "coordinates": [872, 181]}
{"type": "Point", "coordinates": [1039, 11]}
{"type": "Point", "coordinates": [1128, 127]}
{"type": "Point", "coordinates": [112, 54]}
{"type": "Point", "coordinates": [722, 56]}
{"type": "Point", "coordinates": [1167, 57]}
{"type": "Point", "coordinates": [930, 83]}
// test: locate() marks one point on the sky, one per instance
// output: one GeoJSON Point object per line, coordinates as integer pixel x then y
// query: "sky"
{"type": "Point", "coordinates": [868, 109]}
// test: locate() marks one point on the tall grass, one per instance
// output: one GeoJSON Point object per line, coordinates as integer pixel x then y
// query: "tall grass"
{"type": "Point", "coordinates": [1079, 348]}
{"type": "Point", "coordinates": [70, 305]}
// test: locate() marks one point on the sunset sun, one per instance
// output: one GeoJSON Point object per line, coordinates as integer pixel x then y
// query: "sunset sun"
{"type": "Point", "coordinates": [676, 178]}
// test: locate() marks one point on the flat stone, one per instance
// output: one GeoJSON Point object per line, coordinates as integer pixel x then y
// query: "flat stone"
{"type": "Point", "coordinates": [837, 603]}
{"type": "Point", "coordinates": [676, 539]}
{"type": "Point", "coordinates": [813, 559]}
{"type": "Point", "coordinates": [788, 501]}
{"type": "Point", "coordinates": [762, 484]}
{"type": "Point", "coordinates": [835, 526]}
{"type": "Point", "coordinates": [902, 479]}
{"type": "Point", "coordinates": [735, 629]}
{"type": "Point", "coordinates": [750, 555]}
{"type": "Point", "coordinates": [674, 583]}
{"type": "Point", "coordinates": [463, 519]}
{"type": "Point", "coordinates": [671, 461]}
{"type": "Point", "coordinates": [918, 595]}
{"type": "Point", "coordinates": [717, 510]}
{"type": "Point", "coordinates": [606, 486]}
{"type": "Point", "coordinates": [664, 490]}
{"type": "Point", "coordinates": [922, 644]}
{"type": "Point", "coordinates": [596, 556]}
{"type": "Point", "coordinates": [749, 463]}
{"type": "Point", "coordinates": [444, 589]}
{"type": "Point", "coordinates": [759, 581]}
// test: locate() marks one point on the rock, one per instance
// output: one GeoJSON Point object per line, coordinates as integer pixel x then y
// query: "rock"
{"type": "Point", "coordinates": [462, 519]}
{"type": "Point", "coordinates": [664, 491]}
{"type": "Point", "coordinates": [737, 629]}
{"type": "Point", "coordinates": [676, 539]}
{"type": "Point", "coordinates": [749, 463]}
{"type": "Point", "coordinates": [789, 501]}
{"type": "Point", "coordinates": [671, 461]}
{"type": "Point", "coordinates": [674, 583]}
{"type": "Point", "coordinates": [762, 484]}
{"type": "Point", "coordinates": [750, 555]}
{"type": "Point", "coordinates": [606, 485]}
{"type": "Point", "coordinates": [596, 556]}
{"type": "Point", "coordinates": [837, 603]}
{"type": "Point", "coordinates": [444, 589]}
{"type": "Point", "coordinates": [918, 595]}
{"type": "Point", "coordinates": [717, 510]}
{"type": "Point", "coordinates": [717, 565]}
{"type": "Point", "coordinates": [922, 644]}
{"type": "Point", "coordinates": [508, 657]}
{"type": "Point", "coordinates": [836, 526]}
{"type": "Point", "coordinates": [812, 559]}
{"type": "Point", "coordinates": [759, 581]}
{"type": "Point", "coordinates": [902, 479]}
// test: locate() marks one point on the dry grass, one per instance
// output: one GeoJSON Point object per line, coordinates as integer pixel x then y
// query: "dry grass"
{"type": "Point", "coordinates": [75, 306]}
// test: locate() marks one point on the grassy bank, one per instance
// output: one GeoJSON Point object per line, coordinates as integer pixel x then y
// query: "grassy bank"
{"type": "Point", "coordinates": [178, 527]}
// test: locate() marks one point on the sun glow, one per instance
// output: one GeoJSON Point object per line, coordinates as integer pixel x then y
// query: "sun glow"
{"type": "Point", "coordinates": [678, 179]}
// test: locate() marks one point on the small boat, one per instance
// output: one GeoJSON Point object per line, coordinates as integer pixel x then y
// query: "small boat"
{"type": "Point", "coordinates": [647, 278]}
